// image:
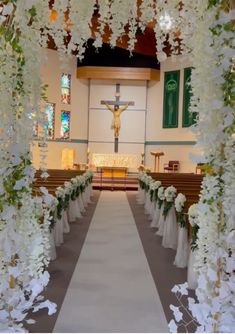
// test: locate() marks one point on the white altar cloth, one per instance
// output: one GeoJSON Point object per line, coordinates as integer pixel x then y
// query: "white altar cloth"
{"type": "Point", "coordinates": [115, 160]}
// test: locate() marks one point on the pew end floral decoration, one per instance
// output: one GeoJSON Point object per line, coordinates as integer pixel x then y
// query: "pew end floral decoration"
{"type": "Point", "coordinates": [160, 196]}
{"type": "Point", "coordinates": [154, 189]}
{"type": "Point", "coordinates": [179, 208]}
{"type": "Point", "coordinates": [170, 193]}
{"type": "Point", "coordinates": [193, 220]}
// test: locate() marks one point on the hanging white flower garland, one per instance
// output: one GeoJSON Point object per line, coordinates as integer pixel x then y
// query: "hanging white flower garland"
{"type": "Point", "coordinates": [212, 50]}
{"type": "Point", "coordinates": [25, 26]}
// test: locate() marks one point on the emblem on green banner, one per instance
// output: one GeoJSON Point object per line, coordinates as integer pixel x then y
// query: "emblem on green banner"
{"type": "Point", "coordinates": [171, 98]}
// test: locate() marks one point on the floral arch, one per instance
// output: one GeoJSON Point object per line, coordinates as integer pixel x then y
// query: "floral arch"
{"type": "Point", "coordinates": [205, 29]}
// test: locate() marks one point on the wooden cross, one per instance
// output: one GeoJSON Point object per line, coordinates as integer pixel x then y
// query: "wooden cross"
{"type": "Point", "coordinates": [117, 102]}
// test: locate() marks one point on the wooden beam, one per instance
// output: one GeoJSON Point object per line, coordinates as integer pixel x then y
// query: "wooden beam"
{"type": "Point", "coordinates": [126, 73]}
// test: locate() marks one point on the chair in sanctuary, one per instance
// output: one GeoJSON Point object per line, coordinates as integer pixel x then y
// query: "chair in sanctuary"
{"type": "Point", "coordinates": [172, 166]}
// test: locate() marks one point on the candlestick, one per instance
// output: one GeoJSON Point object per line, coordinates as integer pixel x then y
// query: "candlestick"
{"type": "Point", "coordinates": [142, 158]}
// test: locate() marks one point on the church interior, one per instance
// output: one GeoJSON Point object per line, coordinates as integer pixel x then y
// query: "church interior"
{"type": "Point", "coordinates": [112, 75]}
{"type": "Point", "coordinates": [118, 196]}
{"type": "Point", "coordinates": [142, 129]}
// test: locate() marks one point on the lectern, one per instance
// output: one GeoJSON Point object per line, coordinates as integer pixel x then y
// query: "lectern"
{"type": "Point", "coordinates": [157, 156]}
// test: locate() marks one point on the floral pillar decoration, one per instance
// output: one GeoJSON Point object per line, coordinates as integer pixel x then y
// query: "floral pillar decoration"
{"type": "Point", "coordinates": [213, 99]}
{"type": "Point", "coordinates": [24, 218]}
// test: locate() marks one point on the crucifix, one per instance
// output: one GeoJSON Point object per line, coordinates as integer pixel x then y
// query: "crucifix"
{"type": "Point", "coordinates": [117, 110]}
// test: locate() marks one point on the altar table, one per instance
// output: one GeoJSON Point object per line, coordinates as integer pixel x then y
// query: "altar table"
{"type": "Point", "coordinates": [129, 161]}
{"type": "Point", "coordinates": [109, 176]}
{"type": "Point", "coordinates": [113, 171]}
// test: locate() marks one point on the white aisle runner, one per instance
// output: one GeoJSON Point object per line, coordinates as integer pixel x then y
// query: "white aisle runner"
{"type": "Point", "coordinates": [112, 289]}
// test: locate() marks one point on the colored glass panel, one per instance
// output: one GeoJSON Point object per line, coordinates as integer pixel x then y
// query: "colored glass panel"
{"type": "Point", "coordinates": [65, 83]}
{"type": "Point", "coordinates": [64, 124]}
{"type": "Point", "coordinates": [49, 123]}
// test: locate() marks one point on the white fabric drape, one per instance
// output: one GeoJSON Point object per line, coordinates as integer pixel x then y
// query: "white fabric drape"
{"type": "Point", "coordinates": [52, 252]}
{"type": "Point", "coordinates": [182, 253]}
{"type": "Point", "coordinates": [156, 216]}
{"type": "Point", "coordinates": [71, 211]}
{"type": "Point", "coordinates": [141, 196]}
{"type": "Point", "coordinates": [152, 210]}
{"type": "Point", "coordinates": [138, 195]}
{"type": "Point", "coordinates": [87, 194]}
{"type": "Point", "coordinates": [90, 191]}
{"type": "Point", "coordinates": [81, 204]}
{"type": "Point", "coordinates": [74, 210]}
{"type": "Point", "coordinates": [191, 274]}
{"type": "Point", "coordinates": [147, 204]}
{"type": "Point", "coordinates": [84, 199]}
{"type": "Point", "coordinates": [58, 230]}
{"type": "Point", "coordinates": [160, 222]}
{"type": "Point", "coordinates": [170, 230]}
{"type": "Point", "coordinates": [66, 226]}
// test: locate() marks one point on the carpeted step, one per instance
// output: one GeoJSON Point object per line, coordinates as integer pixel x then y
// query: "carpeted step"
{"type": "Point", "coordinates": [129, 182]}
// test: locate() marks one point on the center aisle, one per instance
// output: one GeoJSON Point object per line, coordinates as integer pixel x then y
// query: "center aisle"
{"type": "Point", "coordinates": [112, 289]}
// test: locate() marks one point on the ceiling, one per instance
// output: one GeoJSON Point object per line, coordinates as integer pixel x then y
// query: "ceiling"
{"type": "Point", "coordinates": [144, 53]}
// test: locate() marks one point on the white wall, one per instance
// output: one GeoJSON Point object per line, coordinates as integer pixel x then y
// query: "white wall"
{"type": "Point", "coordinates": [132, 131]}
{"type": "Point", "coordinates": [50, 73]}
{"type": "Point", "coordinates": [141, 124]}
{"type": "Point", "coordinates": [174, 142]}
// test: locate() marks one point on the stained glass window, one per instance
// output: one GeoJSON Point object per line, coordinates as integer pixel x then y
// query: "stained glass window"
{"type": "Point", "coordinates": [65, 84]}
{"type": "Point", "coordinates": [49, 123]}
{"type": "Point", "coordinates": [65, 124]}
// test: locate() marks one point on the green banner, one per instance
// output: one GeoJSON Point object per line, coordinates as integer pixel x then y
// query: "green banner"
{"type": "Point", "coordinates": [171, 99]}
{"type": "Point", "coordinates": [188, 118]}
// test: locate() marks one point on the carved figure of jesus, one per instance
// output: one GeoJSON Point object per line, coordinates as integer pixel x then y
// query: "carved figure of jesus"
{"type": "Point", "coordinates": [116, 123]}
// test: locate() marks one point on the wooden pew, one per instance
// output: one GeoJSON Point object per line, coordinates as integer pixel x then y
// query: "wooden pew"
{"type": "Point", "coordinates": [56, 179]}
{"type": "Point", "coordinates": [186, 183]}
{"type": "Point", "coordinates": [66, 173]}
{"type": "Point", "coordinates": [183, 177]}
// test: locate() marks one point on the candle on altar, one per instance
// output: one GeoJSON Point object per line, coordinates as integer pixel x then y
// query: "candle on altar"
{"type": "Point", "coordinates": [142, 158]}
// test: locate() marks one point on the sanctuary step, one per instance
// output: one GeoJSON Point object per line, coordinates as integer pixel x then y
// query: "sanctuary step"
{"type": "Point", "coordinates": [126, 182]}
